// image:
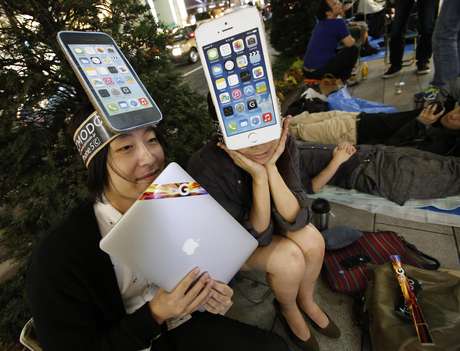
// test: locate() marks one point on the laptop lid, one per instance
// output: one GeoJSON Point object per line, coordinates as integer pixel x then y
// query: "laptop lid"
{"type": "Point", "coordinates": [175, 226]}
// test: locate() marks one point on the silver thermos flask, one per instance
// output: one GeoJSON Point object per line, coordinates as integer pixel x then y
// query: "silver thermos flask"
{"type": "Point", "coordinates": [321, 210]}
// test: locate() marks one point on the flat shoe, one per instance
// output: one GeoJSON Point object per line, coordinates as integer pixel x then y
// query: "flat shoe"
{"type": "Point", "coordinates": [309, 345]}
{"type": "Point", "coordinates": [331, 331]}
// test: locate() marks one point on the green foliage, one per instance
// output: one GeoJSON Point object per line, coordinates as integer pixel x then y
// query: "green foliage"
{"type": "Point", "coordinates": [291, 25]}
{"type": "Point", "coordinates": [42, 178]}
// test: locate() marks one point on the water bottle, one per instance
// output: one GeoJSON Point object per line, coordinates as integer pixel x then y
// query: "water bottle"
{"type": "Point", "coordinates": [321, 211]}
{"type": "Point", "coordinates": [364, 70]}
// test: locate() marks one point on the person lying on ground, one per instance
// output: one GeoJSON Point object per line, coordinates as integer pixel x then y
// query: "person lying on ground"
{"type": "Point", "coordinates": [428, 130]}
{"type": "Point", "coordinates": [395, 173]}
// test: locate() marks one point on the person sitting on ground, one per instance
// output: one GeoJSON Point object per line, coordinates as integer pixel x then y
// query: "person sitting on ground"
{"type": "Point", "coordinates": [321, 56]}
{"type": "Point", "coordinates": [83, 299]}
{"type": "Point", "coordinates": [425, 130]}
{"type": "Point", "coordinates": [260, 187]}
{"type": "Point", "coordinates": [396, 173]}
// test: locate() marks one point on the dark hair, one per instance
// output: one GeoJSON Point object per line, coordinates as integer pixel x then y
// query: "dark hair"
{"type": "Point", "coordinates": [98, 175]}
{"type": "Point", "coordinates": [323, 8]}
{"type": "Point", "coordinates": [211, 108]}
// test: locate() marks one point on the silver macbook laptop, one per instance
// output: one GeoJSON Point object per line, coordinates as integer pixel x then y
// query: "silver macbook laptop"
{"type": "Point", "coordinates": [175, 226]}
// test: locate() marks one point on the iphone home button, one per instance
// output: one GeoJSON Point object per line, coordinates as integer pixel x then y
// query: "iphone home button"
{"type": "Point", "coordinates": [252, 137]}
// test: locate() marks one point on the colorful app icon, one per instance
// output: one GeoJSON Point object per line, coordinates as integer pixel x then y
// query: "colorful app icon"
{"type": "Point", "coordinates": [90, 51]}
{"type": "Point", "coordinates": [232, 126]}
{"type": "Point", "coordinates": [84, 60]}
{"type": "Point", "coordinates": [244, 123]}
{"type": "Point", "coordinates": [123, 105]}
{"type": "Point", "coordinates": [245, 76]}
{"type": "Point", "coordinates": [130, 80]}
{"type": "Point", "coordinates": [224, 98]}
{"type": "Point", "coordinates": [100, 50]}
{"type": "Point", "coordinates": [108, 81]}
{"type": "Point", "coordinates": [133, 103]}
{"type": "Point", "coordinates": [254, 57]}
{"type": "Point", "coordinates": [119, 80]}
{"type": "Point", "coordinates": [102, 70]}
{"type": "Point", "coordinates": [97, 82]}
{"type": "Point", "coordinates": [78, 51]}
{"type": "Point", "coordinates": [122, 69]}
{"type": "Point", "coordinates": [267, 117]}
{"type": "Point", "coordinates": [125, 90]}
{"type": "Point", "coordinates": [236, 94]}
{"type": "Point", "coordinates": [228, 111]}
{"type": "Point", "coordinates": [110, 50]}
{"type": "Point", "coordinates": [143, 101]}
{"type": "Point", "coordinates": [112, 69]}
{"type": "Point", "coordinates": [251, 40]}
{"type": "Point", "coordinates": [217, 69]}
{"type": "Point", "coordinates": [96, 60]}
{"type": "Point", "coordinates": [258, 72]}
{"type": "Point", "coordinates": [90, 71]}
{"type": "Point", "coordinates": [242, 61]}
{"type": "Point", "coordinates": [252, 104]}
{"type": "Point", "coordinates": [238, 45]}
{"type": "Point", "coordinates": [225, 50]}
{"type": "Point", "coordinates": [239, 107]}
{"type": "Point", "coordinates": [115, 92]}
{"type": "Point", "coordinates": [221, 83]}
{"type": "Point", "coordinates": [213, 54]}
{"type": "Point", "coordinates": [229, 65]}
{"type": "Point", "coordinates": [249, 90]}
{"type": "Point", "coordinates": [107, 60]}
{"type": "Point", "coordinates": [255, 120]}
{"type": "Point", "coordinates": [113, 107]}
{"type": "Point", "coordinates": [261, 87]}
{"type": "Point", "coordinates": [233, 80]}
{"type": "Point", "coordinates": [103, 93]}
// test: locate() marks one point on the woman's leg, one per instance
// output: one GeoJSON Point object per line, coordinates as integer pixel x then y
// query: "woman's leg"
{"type": "Point", "coordinates": [284, 265]}
{"type": "Point", "coordinates": [311, 242]}
{"type": "Point", "coordinates": [209, 332]}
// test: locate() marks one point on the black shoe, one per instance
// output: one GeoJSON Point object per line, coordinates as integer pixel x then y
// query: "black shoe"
{"type": "Point", "coordinates": [331, 330]}
{"type": "Point", "coordinates": [309, 345]}
{"type": "Point", "coordinates": [423, 68]}
{"type": "Point", "coordinates": [393, 71]}
{"type": "Point", "coordinates": [368, 50]}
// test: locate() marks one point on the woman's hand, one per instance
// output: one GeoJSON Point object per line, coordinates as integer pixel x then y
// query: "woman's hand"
{"type": "Point", "coordinates": [256, 170]}
{"type": "Point", "coordinates": [428, 115]}
{"type": "Point", "coordinates": [221, 299]}
{"type": "Point", "coordinates": [186, 297]}
{"type": "Point", "coordinates": [281, 143]}
{"type": "Point", "coordinates": [343, 152]}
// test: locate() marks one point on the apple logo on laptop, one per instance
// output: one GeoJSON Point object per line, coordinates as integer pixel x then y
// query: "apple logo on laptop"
{"type": "Point", "coordinates": [190, 245]}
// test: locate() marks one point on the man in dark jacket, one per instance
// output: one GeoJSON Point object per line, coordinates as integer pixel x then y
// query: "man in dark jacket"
{"type": "Point", "coordinates": [424, 130]}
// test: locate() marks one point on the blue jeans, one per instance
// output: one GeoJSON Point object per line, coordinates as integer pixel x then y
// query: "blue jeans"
{"type": "Point", "coordinates": [427, 11]}
{"type": "Point", "coordinates": [446, 46]}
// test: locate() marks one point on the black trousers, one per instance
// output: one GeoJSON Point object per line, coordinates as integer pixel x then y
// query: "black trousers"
{"type": "Point", "coordinates": [377, 128]}
{"type": "Point", "coordinates": [209, 332]}
{"type": "Point", "coordinates": [427, 11]}
{"type": "Point", "coordinates": [340, 66]}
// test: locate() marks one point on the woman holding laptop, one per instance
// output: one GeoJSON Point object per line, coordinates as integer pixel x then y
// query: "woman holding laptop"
{"type": "Point", "coordinates": [83, 299]}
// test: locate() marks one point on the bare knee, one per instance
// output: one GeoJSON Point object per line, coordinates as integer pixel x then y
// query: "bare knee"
{"type": "Point", "coordinates": [310, 241]}
{"type": "Point", "coordinates": [288, 258]}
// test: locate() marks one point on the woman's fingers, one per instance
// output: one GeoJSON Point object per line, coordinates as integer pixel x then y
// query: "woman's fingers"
{"type": "Point", "coordinates": [202, 298]}
{"type": "Point", "coordinates": [186, 282]}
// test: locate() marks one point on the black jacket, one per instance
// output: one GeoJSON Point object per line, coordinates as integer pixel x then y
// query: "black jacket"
{"type": "Point", "coordinates": [74, 296]}
{"type": "Point", "coordinates": [435, 138]}
{"type": "Point", "coordinates": [232, 187]}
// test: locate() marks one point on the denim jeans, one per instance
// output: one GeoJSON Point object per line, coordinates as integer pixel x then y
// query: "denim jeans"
{"type": "Point", "coordinates": [427, 12]}
{"type": "Point", "coordinates": [446, 47]}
